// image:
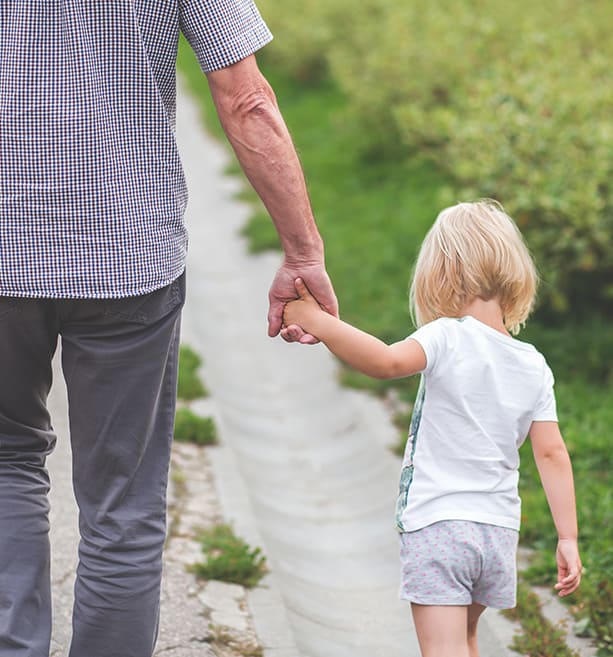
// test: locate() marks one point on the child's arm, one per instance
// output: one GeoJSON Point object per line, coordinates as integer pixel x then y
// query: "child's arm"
{"type": "Point", "coordinates": [555, 470]}
{"type": "Point", "coordinates": [358, 349]}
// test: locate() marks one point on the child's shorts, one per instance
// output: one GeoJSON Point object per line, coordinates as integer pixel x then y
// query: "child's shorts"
{"type": "Point", "coordinates": [458, 562]}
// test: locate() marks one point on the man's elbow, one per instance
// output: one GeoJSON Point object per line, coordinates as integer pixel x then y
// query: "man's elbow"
{"type": "Point", "coordinates": [256, 102]}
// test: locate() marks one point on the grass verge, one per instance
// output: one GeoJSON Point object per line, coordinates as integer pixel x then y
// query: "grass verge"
{"type": "Point", "coordinates": [189, 386]}
{"type": "Point", "coordinates": [190, 427]}
{"type": "Point", "coordinates": [228, 558]}
{"type": "Point", "coordinates": [193, 428]}
{"type": "Point", "coordinates": [539, 637]}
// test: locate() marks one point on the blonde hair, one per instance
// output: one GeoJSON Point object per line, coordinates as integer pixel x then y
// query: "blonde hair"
{"type": "Point", "coordinates": [473, 250]}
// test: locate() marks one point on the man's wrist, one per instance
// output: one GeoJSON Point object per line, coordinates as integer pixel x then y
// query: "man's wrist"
{"type": "Point", "coordinates": [306, 251]}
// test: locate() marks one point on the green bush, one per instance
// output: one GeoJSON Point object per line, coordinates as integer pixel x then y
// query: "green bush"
{"type": "Point", "coordinates": [193, 428]}
{"type": "Point", "coordinates": [513, 99]}
{"type": "Point", "coordinates": [579, 348]}
{"type": "Point", "coordinates": [300, 46]}
{"type": "Point", "coordinates": [229, 558]}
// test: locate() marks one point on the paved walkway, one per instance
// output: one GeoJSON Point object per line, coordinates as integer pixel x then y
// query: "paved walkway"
{"type": "Point", "coordinates": [303, 471]}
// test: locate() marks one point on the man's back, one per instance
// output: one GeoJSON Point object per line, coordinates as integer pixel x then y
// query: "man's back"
{"type": "Point", "coordinates": [92, 192]}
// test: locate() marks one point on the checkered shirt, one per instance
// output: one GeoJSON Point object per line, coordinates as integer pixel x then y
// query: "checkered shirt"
{"type": "Point", "coordinates": [92, 192]}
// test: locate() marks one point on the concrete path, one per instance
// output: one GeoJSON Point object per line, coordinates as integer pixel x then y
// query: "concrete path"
{"type": "Point", "coordinates": [303, 471]}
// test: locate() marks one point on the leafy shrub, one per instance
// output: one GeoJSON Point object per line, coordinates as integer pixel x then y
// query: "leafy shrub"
{"type": "Point", "coordinates": [302, 36]}
{"type": "Point", "coordinates": [579, 348]}
{"type": "Point", "coordinates": [193, 428]}
{"type": "Point", "coordinates": [229, 558]}
{"type": "Point", "coordinates": [306, 30]}
{"type": "Point", "coordinates": [513, 99]}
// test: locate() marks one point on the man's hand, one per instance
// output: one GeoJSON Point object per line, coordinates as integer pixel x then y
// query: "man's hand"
{"type": "Point", "coordinates": [283, 290]}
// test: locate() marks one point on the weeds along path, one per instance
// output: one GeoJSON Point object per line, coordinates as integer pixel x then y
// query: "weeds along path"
{"type": "Point", "coordinates": [317, 481]}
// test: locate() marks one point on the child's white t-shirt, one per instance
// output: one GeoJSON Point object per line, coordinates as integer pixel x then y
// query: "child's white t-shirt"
{"type": "Point", "coordinates": [479, 394]}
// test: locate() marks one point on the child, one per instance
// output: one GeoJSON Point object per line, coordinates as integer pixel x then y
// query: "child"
{"type": "Point", "coordinates": [481, 393]}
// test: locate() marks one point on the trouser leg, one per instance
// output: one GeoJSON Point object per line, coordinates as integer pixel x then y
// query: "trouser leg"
{"type": "Point", "coordinates": [120, 373]}
{"type": "Point", "coordinates": [28, 337]}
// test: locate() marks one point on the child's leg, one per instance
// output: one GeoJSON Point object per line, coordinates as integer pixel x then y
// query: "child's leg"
{"type": "Point", "coordinates": [442, 631]}
{"type": "Point", "coordinates": [474, 612]}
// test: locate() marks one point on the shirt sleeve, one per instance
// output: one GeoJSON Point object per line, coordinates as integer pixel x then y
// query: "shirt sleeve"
{"type": "Point", "coordinates": [222, 32]}
{"type": "Point", "coordinates": [545, 410]}
{"type": "Point", "coordinates": [431, 337]}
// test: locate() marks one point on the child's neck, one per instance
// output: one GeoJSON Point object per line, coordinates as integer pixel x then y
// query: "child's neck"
{"type": "Point", "coordinates": [487, 312]}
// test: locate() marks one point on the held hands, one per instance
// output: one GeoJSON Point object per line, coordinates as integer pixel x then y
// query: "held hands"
{"type": "Point", "coordinates": [298, 315]}
{"type": "Point", "coordinates": [283, 290]}
{"type": "Point", "coordinates": [569, 567]}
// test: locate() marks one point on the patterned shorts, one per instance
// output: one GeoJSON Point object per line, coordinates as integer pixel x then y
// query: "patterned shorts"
{"type": "Point", "coordinates": [457, 562]}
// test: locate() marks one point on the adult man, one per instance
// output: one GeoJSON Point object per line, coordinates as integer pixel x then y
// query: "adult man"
{"type": "Point", "coordinates": [92, 248]}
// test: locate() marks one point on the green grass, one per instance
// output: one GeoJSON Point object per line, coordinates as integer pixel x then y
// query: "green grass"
{"type": "Point", "coordinates": [586, 417]}
{"type": "Point", "coordinates": [373, 214]}
{"type": "Point", "coordinates": [229, 558]}
{"type": "Point", "coordinates": [190, 427]}
{"type": "Point", "coordinates": [539, 637]}
{"type": "Point", "coordinates": [193, 428]}
{"type": "Point", "coordinates": [189, 386]}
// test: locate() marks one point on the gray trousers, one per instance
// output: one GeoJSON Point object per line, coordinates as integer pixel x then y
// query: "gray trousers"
{"type": "Point", "coordinates": [119, 359]}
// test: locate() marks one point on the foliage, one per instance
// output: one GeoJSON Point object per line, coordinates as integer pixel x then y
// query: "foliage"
{"type": "Point", "coordinates": [300, 46]}
{"type": "Point", "coordinates": [189, 386]}
{"type": "Point", "coordinates": [512, 99]}
{"type": "Point", "coordinates": [585, 419]}
{"type": "Point", "coordinates": [229, 558]}
{"type": "Point", "coordinates": [598, 621]}
{"type": "Point", "coordinates": [580, 346]}
{"type": "Point", "coordinates": [193, 428]}
{"type": "Point", "coordinates": [190, 427]}
{"type": "Point", "coordinates": [539, 636]}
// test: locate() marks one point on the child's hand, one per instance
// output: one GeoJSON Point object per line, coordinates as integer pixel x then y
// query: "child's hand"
{"type": "Point", "coordinates": [569, 567]}
{"type": "Point", "coordinates": [303, 310]}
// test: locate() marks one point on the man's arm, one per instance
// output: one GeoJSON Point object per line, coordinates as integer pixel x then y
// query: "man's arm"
{"type": "Point", "coordinates": [251, 119]}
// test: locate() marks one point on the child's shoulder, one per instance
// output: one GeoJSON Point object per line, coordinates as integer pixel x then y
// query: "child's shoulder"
{"type": "Point", "coordinates": [474, 327]}
{"type": "Point", "coordinates": [467, 329]}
